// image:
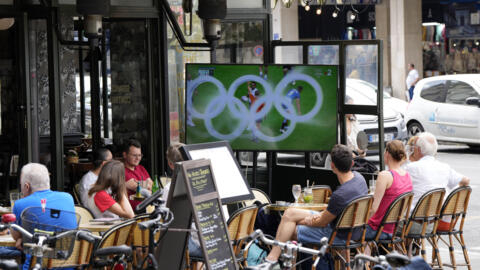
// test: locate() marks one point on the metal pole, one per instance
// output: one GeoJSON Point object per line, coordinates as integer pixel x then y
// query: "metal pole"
{"type": "Point", "coordinates": [55, 101]}
{"type": "Point", "coordinates": [82, 89]}
{"type": "Point", "coordinates": [105, 88]}
{"type": "Point", "coordinates": [95, 94]}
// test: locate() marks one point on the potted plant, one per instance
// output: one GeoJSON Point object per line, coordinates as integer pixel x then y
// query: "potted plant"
{"type": "Point", "coordinates": [72, 156]}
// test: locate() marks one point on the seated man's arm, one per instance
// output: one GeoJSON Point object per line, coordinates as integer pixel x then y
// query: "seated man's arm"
{"type": "Point", "coordinates": [320, 220]}
{"type": "Point", "coordinates": [131, 184]}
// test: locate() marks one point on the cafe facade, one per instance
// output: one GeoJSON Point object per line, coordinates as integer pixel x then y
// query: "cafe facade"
{"type": "Point", "coordinates": [64, 93]}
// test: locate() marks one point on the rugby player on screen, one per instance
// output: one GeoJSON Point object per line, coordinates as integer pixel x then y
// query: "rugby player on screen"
{"type": "Point", "coordinates": [294, 95]}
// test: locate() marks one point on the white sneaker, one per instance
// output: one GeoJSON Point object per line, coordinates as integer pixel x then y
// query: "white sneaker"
{"type": "Point", "coordinates": [190, 122]}
{"type": "Point", "coordinates": [282, 130]}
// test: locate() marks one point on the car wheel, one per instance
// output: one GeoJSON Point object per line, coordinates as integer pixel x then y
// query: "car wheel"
{"type": "Point", "coordinates": [415, 128]}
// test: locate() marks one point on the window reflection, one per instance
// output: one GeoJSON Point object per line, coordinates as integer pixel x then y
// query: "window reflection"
{"type": "Point", "coordinates": [361, 71]}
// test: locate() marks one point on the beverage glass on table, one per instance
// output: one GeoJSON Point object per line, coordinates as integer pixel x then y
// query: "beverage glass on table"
{"type": "Point", "coordinates": [296, 191]}
{"type": "Point", "coordinates": [13, 197]}
{"type": "Point", "coordinates": [371, 185]}
{"type": "Point", "coordinates": [308, 195]}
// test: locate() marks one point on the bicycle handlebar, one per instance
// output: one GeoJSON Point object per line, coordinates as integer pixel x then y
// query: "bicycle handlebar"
{"type": "Point", "coordinates": [88, 236]}
{"type": "Point", "coordinates": [258, 234]}
{"type": "Point", "coordinates": [161, 213]}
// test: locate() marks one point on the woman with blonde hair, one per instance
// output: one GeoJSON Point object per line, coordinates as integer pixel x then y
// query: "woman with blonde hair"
{"type": "Point", "coordinates": [390, 184]}
{"type": "Point", "coordinates": [108, 196]}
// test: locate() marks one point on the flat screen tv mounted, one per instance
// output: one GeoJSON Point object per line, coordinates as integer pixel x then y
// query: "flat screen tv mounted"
{"type": "Point", "coordinates": [232, 186]}
{"type": "Point", "coordinates": [262, 107]}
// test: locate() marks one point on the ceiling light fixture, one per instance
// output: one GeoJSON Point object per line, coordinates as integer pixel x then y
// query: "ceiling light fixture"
{"type": "Point", "coordinates": [319, 11]}
{"type": "Point", "coordinates": [354, 13]}
{"type": "Point", "coordinates": [335, 12]}
{"type": "Point", "coordinates": [287, 3]}
{"type": "Point", "coordinates": [307, 7]}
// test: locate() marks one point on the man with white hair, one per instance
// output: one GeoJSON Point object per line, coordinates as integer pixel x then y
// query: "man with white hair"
{"type": "Point", "coordinates": [428, 173]}
{"type": "Point", "coordinates": [35, 187]}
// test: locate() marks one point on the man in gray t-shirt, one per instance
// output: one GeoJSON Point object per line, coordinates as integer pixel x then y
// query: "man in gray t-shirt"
{"type": "Point", "coordinates": [310, 226]}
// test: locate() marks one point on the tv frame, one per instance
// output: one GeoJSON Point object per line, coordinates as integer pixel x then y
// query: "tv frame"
{"type": "Point", "coordinates": [185, 150]}
{"type": "Point", "coordinates": [270, 150]}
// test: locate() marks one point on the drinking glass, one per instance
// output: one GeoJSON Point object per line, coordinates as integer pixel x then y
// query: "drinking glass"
{"type": "Point", "coordinates": [296, 191]}
{"type": "Point", "coordinates": [13, 197]}
{"type": "Point", "coordinates": [308, 195]}
{"type": "Point", "coordinates": [371, 185]}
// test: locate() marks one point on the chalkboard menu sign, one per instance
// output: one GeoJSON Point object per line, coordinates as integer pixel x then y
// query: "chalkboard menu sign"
{"type": "Point", "coordinates": [193, 193]}
{"type": "Point", "coordinates": [201, 180]}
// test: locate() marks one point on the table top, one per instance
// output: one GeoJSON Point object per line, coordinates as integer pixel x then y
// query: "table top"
{"type": "Point", "coordinates": [97, 226]}
{"type": "Point", "coordinates": [306, 206]}
{"type": "Point", "coordinates": [5, 210]}
{"type": "Point", "coordinates": [7, 240]}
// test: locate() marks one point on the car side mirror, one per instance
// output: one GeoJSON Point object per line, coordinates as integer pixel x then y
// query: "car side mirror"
{"type": "Point", "coordinates": [473, 101]}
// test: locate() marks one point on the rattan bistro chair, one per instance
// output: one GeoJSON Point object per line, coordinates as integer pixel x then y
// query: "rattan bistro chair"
{"type": "Point", "coordinates": [427, 211]}
{"type": "Point", "coordinates": [80, 257]}
{"type": "Point", "coordinates": [455, 207]}
{"type": "Point", "coordinates": [240, 225]}
{"type": "Point", "coordinates": [396, 214]}
{"type": "Point", "coordinates": [355, 215]}
{"type": "Point", "coordinates": [118, 235]}
{"type": "Point", "coordinates": [321, 193]}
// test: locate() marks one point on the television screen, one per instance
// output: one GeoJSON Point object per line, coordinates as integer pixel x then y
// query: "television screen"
{"type": "Point", "coordinates": [262, 107]}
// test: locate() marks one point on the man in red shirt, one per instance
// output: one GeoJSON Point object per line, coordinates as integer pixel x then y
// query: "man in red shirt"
{"type": "Point", "coordinates": [134, 172]}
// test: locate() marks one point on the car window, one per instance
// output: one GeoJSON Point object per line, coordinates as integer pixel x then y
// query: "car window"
{"type": "Point", "coordinates": [459, 91]}
{"type": "Point", "coordinates": [434, 91]}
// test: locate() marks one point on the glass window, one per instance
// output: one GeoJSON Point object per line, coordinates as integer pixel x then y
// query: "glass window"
{"type": "Point", "coordinates": [323, 55]}
{"type": "Point", "coordinates": [245, 4]}
{"type": "Point", "coordinates": [459, 91]}
{"type": "Point", "coordinates": [241, 42]}
{"type": "Point", "coordinates": [361, 71]}
{"type": "Point", "coordinates": [177, 58]}
{"type": "Point", "coordinates": [289, 54]}
{"type": "Point", "coordinates": [434, 91]}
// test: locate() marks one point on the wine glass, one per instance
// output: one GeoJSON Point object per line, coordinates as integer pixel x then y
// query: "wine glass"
{"type": "Point", "coordinates": [296, 191]}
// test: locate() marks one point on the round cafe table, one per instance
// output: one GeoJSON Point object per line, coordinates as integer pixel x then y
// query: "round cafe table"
{"type": "Point", "coordinates": [7, 240]}
{"type": "Point", "coordinates": [97, 226]}
{"type": "Point", "coordinates": [306, 206]}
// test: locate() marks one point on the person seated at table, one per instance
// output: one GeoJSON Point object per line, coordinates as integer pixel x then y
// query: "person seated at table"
{"type": "Point", "coordinates": [390, 184]}
{"type": "Point", "coordinates": [35, 187]}
{"type": "Point", "coordinates": [100, 157]}
{"type": "Point", "coordinates": [428, 173]}
{"type": "Point", "coordinates": [173, 156]}
{"type": "Point", "coordinates": [134, 172]}
{"type": "Point", "coordinates": [108, 196]}
{"type": "Point", "coordinates": [310, 226]}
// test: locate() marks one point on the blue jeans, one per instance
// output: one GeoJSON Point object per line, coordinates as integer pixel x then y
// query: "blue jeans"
{"type": "Point", "coordinates": [193, 249]}
{"type": "Point", "coordinates": [371, 233]}
{"type": "Point", "coordinates": [410, 91]}
{"type": "Point", "coordinates": [9, 252]}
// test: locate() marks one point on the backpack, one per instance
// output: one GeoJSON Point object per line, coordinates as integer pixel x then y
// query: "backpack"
{"type": "Point", "coordinates": [362, 165]}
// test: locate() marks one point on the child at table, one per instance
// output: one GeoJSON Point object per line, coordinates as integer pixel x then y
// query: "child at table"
{"type": "Point", "coordinates": [108, 196]}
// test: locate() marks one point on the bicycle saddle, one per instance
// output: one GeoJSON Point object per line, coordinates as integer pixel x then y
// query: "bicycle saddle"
{"type": "Point", "coordinates": [117, 250]}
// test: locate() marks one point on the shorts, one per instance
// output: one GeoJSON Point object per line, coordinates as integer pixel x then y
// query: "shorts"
{"type": "Point", "coordinates": [307, 234]}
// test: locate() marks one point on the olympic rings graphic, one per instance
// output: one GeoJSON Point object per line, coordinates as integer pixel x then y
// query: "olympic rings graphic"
{"type": "Point", "coordinates": [249, 116]}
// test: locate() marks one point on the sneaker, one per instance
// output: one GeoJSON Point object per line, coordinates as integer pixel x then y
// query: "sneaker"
{"type": "Point", "coordinates": [282, 130]}
{"type": "Point", "coordinates": [266, 265]}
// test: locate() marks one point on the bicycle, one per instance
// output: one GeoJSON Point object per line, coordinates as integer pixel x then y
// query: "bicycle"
{"type": "Point", "coordinates": [392, 260]}
{"type": "Point", "coordinates": [160, 219]}
{"type": "Point", "coordinates": [288, 251]}
{"type": "Point", "coordinates": [42, 244]}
